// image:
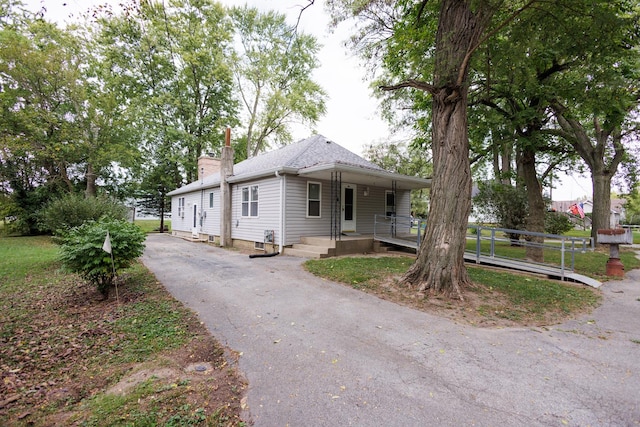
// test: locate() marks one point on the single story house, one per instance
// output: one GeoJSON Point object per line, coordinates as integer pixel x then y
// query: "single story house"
{"type": "Point", "coordinates": [616, 217]}
{"type": "Point", "coordinates": [313, 187]}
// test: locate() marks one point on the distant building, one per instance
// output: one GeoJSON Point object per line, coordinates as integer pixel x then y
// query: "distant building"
{"type": "Point", "coordinates": [617, 209]}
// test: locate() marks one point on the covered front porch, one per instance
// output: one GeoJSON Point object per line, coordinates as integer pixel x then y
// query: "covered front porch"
{"type": "Point", "coordinates": [398, 231]}
{"type": "Point", "coordinates": [357, 196]}
{"type": "Point", "coordinates": [327, 246]}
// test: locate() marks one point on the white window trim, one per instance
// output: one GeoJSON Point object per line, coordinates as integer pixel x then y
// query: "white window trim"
{"type": "Point", "coordinates": [319, 199]}
{"type": "Point", "coordinates": [250, 201]}
{"type": "Point", "coordinates": [181, 209]}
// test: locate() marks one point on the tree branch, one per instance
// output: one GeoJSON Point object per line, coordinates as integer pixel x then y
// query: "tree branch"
{"type": "Point", "coordinates": [555, 68]}
{"type": "Point", "coordinates": [302, 9]}
{"type": "Point", "coordinates": [467, 57]}
{"type": "Point", "coordinates": [416, 84]}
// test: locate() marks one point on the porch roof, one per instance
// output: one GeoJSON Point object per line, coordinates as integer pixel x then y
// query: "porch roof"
{"type": "Point", "coordinates": [363, 176]}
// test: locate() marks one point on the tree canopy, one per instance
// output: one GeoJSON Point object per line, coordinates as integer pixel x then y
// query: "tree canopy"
{"type": "Point", "coordinates": [126, 102]}
{"type": "Point", "coordinates": [273, 68]}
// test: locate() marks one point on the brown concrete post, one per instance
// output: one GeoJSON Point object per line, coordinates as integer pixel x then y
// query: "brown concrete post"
{"type": "Point", "coordinates": [614, 238]}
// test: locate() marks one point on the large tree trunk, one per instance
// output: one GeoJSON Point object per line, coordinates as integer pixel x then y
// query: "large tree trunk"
{"type": "Point", "coordinates": [440, 263]}
{"type": "Point", "coordinates": [90, 190]}
{"type": "Point", "coordinates": [601, 215]}
{"type": "Point", "coordinates": [535, 218]}
{"type": "Point", "coordinates": [440, 266]}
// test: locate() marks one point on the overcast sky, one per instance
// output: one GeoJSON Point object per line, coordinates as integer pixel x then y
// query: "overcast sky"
{"type": "Point", "coordinates": [352, 119]}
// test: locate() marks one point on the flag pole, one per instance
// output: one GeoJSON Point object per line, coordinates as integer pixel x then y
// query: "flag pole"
{"type": "Point", "coordinates": [113, 266]}
{"type": "Point", "coordinates": [106, 246]}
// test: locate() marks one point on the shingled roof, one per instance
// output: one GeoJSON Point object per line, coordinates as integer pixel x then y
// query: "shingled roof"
{"type": "Point", "coordinates": [314, 152]}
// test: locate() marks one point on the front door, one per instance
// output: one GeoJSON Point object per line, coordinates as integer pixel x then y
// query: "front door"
{"type": "Point", "coordinates": [348, 205]}
{"type": "Point", "coordinates": [194, 229]}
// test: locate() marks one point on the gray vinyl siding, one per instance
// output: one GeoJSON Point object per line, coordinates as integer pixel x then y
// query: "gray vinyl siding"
{"type": "Point", "coordinates": [298, 224]}
{"type": "Point", "coordinates": [211, 221]}
{"type": "Point", "coordinates": [252, 228]}
{"type": "Point", "coordinates": [403, 203]}
{"type": "Point", "coordinates": [374, 204]}
{"type": "Point", "coordinates": [184, 223]}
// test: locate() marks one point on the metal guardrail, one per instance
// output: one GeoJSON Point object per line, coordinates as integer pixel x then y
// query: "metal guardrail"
{"type": "Point", "coordinates": [563, 244]}
{"type": "Point", "coordinates": [399, 229]}
{"type": "Point", "coordinates": [407, 231]}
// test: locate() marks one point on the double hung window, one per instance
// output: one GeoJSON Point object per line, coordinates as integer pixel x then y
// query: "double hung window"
{"type": "Point", "coordinates": [250, 201]}
{"type": "Point", "coordinates": [314, 199]}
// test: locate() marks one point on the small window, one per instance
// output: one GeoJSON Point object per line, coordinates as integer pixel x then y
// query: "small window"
{"type": "Point", "coordinates": [389, 203]}
{"type": "Point", "coordinates": [250, 201]}
{"type": "Point", "coordinates": [181, 207]}
{"type": "Point", "coordinates": [314, 199]}
{"type": "Point", "coordinates": [211, 199]}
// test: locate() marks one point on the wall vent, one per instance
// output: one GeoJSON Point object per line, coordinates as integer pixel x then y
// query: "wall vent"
{"type": "Point", "coordinates": [258, 245]}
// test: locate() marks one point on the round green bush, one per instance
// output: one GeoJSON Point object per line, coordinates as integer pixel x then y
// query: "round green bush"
{"type": "Point", "coordinates": [557, 223]}
{"type": "Point", "coordinates": [74, 209]}
{"type": "Point", "coordinates": [81, 250]}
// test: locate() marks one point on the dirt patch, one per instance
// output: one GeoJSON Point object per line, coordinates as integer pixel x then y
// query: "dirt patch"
{"type": "Point", "coordinates": [61, 348]}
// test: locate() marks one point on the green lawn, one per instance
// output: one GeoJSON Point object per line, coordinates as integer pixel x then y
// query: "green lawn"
{"type": "Point", "coordinates": [153, 225]}
{"type": "Point", "coordinates": [518, 298]}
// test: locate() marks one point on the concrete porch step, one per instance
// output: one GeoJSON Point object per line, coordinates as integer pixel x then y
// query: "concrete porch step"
{"type": "Point", "coordinates": [319, 241]}
{"type": "Point", "coordinates": [315, 254]}
{"type": "Point", "coordinates": [315, 248]}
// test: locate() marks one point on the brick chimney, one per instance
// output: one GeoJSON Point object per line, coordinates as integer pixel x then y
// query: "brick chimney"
{"type": "Point", "coordinates": [207, 166]}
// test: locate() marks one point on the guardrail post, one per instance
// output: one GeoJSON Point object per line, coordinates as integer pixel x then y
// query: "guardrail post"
{"type": "Point", "coordinates": [562, 260]}
{"type": "Point", "coordinates": [478, 243]}
{"type": "Point", "coordinates": [375, 226]}
{"type": "Point", "coordinates": [493, 243]}
{"type": "Point", "coordinates": [573, 254]}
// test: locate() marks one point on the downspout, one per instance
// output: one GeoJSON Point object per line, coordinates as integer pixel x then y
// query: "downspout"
{"type": "Point", "coordinates": [282, 210]}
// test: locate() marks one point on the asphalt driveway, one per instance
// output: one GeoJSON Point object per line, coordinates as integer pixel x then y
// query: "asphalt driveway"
{"type": "Point", "coordinates": [317, 353]}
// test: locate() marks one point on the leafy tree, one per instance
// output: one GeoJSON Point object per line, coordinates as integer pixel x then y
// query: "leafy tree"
{"type": "Point", "coordinates": [557, 223]}
{"type": "Point", "coordinates": [170, 63]}
{"type": "Point", "coordinates": [401, 35]}
{"type": "Point", "coordinates": [59, 130]}
{"type": "Point", "coordinates": [38, 73]}
{"type": "Point", "coordinates": [157, 182]}
{"type": "Point", "coordinates": [81, 250]}
{"type": "Point", "coordinates": [504, 204]}
{"type": "Point", "coordinates": [524, 79]}
{"type": "Point", "coordinates": [632, 207]}
{"type": "Point", "coordinates": [273, 70]}
{"type": "Point", "coordinates": [601, 146]}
